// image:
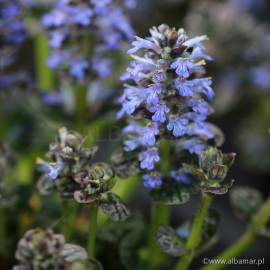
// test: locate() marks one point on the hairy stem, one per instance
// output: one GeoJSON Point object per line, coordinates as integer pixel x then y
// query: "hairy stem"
{"type": "Point", "coordinates": [91, 245]}
{"type": "Point", "coordinates": [246, 241]}
{"type": "Point", "coordinates": [44, 75]}
{"type": "Point", "coordinates": [195, 233]}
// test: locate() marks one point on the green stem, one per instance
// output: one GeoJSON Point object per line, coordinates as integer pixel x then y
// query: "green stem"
{"type": "Point", "coordinates": [70, 213]}
{"type": "Point", "coordinates": [44, 75]}
{"type": "Point", "coordinates": [160, 215]}
{"type": "Point", "coordinates": [245, 242]}
{"type": "Point", "coordinates": [91, 245]}
{"type": "Point", "coordinates": [81, 106]}
{"type": "Point", "coordinates": [194, 237]}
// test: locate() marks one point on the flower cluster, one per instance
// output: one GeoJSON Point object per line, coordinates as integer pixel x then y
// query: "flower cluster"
{"type": "Point", "coordinates": [167, 93]}
{"type": "Point", "coordinates": [71, 24]}
{"type": "Point", "coordinates": [71, 173]}
{"type": "Point", "coordinates": [12, 32]}
{"type": "Point", "coordinates": [42, 249]}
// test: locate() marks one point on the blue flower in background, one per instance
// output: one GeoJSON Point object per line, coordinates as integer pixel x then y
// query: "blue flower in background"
{"type": "Point", "coordinates": [181, 176]}
{"type": "Point", "coordinates": [152, 180]}
{"type": "Point", "coordinates": [52, 170]}
{"type": "Point", "coordinates": [102, 23]}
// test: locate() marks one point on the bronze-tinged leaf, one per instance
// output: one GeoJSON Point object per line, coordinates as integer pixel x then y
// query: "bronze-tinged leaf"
{"type": "Point", "coordinates": [114, 207]}
{"type": "Point", "coordinates": [173, 193]}
{"type": "Point", "coordinates": [220, 190]}
{"type": "Point", "coordinates": [246, 201]}
{"type": "Point", "coordinates": [83, 197]}
{"type": "Point", "coordinates": [169, 241]}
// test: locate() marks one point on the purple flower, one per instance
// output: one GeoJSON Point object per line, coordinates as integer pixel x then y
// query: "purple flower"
{"type": "Point", "coordinates": [133, 97]}
{"type": "Point", "coordinates": [199, 106]}
{"type": "Point", "coordinates": [148, 158]}
{"type": "Point", "coordinates": [55, 18]}
{"type": "Point", "coordinates": [149, 134]}
{"type": "Point", "coordinates": [159, 111]}
{"type": "Point", "coordinates": [102, 67]}
{"type": "Point", "coordinates": [152, 180]}
{"type": "Point", "coordinates": [78, 67]}
{"type": "Point", "coordinates": [178, 125]}
{"type": "Point", "coordinates": [194, 146]}
{"type": "Point", "coordinates": [185, 88]}
{"type": "Point", "coordinates": [183, 67]}
{"type": "Point", "coordinates": [141, 43]}
{"type": "Point", "coordinates": [57, 38]}
{"type": "Point", "coordinates": [82, 15]}
{"type": "Point", "coordinates": [52, 170]}
{"type": "Point", "coordinates": [203, 86]}
{"type": "Point", "coordinates": [153, 92]}
{"type": "Point", "coordinates": [181, 176]}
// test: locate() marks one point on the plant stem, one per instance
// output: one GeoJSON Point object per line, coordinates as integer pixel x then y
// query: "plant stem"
{"type": "Point", "coordinates": [70, 213]}
{"type": "Point", "coordinates": [160, 215]}
{"type": "Point", "coordinates": [91, 245]}
{"type": "Point", "coordinates": [44, 75]}
{"type": "Point", "coordinates": [245, 242]}
{"type": "Point", "coordinates": [195, 233]}
{"type": "Point", "coordinates": [81, 106]}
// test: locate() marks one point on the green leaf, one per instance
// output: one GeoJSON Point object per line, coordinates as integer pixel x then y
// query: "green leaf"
{"type": "Point", "coordinates": [169, 241]}
{"type": "Point", "coordinates": [115, 208]}
{"type": "Point", "coordinates": [172, 192]}
{"type": "Point", "coordinates": [246, 201]}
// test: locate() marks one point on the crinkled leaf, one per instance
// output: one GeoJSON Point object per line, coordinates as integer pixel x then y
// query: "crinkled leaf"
{"type": "Point", "coordinates": [219, 190]}
{"type": "Point", "coordinates": [246, 201]}
{"type": "Point", "coordinates": [113, 206]}
{"type": "Point", "coordinates": [73, 253]}
{"type": "Point", "coordinates": [169, 241]}
{"type": "Point", "coordinates": [45, 185]}
{"type": "Point", "coordinates": [128, 237]}
{"type": "Point", "coordinates": [172, 192]}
